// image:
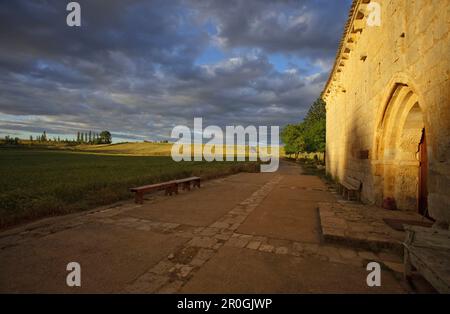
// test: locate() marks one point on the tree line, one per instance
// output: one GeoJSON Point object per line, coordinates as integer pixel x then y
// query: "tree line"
{"type": "Point", "coordinates": [90, 137]}
{"type": "Point", "coordinates": [307, 136]}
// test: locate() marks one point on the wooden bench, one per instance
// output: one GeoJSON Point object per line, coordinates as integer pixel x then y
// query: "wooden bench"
{"type": "Point", "coordinates": [427, 250]}
{"type": "Point", "coordinates": [169, 187]}
{"type": "Point", "coordinates": [186, 183]}
{"type": "Point", "coordinates": [350, 188]}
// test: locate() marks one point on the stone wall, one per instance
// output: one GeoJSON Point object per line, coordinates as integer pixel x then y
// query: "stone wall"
{"type": "Point", "coordinates": [388, 83]}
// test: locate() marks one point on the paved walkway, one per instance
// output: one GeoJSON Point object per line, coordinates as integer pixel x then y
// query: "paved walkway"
{"type": "Point", "coordinates": [256, 233]}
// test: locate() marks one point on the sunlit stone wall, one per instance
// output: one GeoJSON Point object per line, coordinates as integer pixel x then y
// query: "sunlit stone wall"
{"type": "Point", "coordinates": [381, 72]}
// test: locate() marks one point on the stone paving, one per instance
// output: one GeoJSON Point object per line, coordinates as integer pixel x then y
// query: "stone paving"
{"type": "Point", "coordinates": [128, 248]}
{"type": "Point", "coordinates": [361, 225]}
{"type": "Point", "coordinates": [170, 274]}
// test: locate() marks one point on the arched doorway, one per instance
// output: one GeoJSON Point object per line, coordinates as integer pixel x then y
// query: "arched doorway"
{"type": "Point", "coordinates": [401, 153]}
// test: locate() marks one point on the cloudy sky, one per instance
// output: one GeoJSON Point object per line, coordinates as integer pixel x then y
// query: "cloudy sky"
{"type": "Point", "coordinates": [138, 68]}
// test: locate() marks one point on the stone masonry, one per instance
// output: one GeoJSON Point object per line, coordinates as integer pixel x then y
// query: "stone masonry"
{"type": "Point", "coordinates": [390, 86]}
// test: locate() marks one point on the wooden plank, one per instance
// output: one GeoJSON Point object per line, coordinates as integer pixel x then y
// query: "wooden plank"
{"type": "Point", "coordinates": [152, 186]}
{"type": "Point", "coordinates": [195, 181]}
{"type": "Point", "coordinates": [188, 179]}
{"type": "Point", "coordinates": [428, 237]}
{"type": "Point", "coordinates": [351, 184]}
{"type": "Point", "coordinates": [433, 265]}
{"type": "Point", "coordinates": [428, 250]}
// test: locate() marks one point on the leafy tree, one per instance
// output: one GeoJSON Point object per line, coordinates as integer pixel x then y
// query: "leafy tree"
{"type": "Point", "coordinates": [309, 135]}
{"type": "Point", "coordinates": [105, 137]}
{"type": "Point", "coordinates": [293, 139]}
{"type": "Point", "coordinates": [315, 127]}
{"type": "Point", "coordinates": [316, 112]}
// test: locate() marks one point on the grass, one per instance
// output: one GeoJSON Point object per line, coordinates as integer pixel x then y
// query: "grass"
{"type": "Point", "coordinates": [35, 183]}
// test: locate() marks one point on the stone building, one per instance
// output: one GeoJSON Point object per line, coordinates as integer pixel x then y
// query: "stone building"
{"type": "Point", "coordinates": [388, 104]}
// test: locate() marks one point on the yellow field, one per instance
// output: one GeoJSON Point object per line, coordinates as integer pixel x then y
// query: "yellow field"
{"type": "Point", "coordinates": [135, 149]}
{"type": "Point", "coordinates": [143, 149]}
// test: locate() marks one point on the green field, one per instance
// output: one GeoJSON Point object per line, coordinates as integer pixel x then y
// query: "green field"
{"type": "Point", "coordinates": [35, 183]}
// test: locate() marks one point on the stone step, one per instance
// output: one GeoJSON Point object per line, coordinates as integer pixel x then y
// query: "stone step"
{"type": "Point", "coordinates": [335, 230]}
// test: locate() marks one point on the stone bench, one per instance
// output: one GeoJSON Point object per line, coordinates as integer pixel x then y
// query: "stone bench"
{"type": "Point", "coordinates": [427, 250]}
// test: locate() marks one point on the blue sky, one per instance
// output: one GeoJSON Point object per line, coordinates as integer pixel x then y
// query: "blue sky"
{"type": "Point", "coordinates": [138, 68]}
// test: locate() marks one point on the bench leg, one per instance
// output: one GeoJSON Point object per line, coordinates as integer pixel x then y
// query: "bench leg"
{"type": "Point", "coordinates": [172, 189]}
{"type": "Point", "coordinates": [138, 198]}
{"type": "Point", "coordinates": [196, 183]}
{"type": "Point", "coordinates": [187, 186]}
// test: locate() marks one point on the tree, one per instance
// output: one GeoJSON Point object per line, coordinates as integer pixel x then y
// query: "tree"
{"type": "Point", "coordinates": [316, 112]}
{"type": "Point", "coordinates": [31, 138]}
{"type": "Point", "coordinates": [315, 127]}
{"type": "Point", "coordinates": [78, 137]}
{"type": "Point", "coordinates": [309, 135]}
{"type": "Point", "coordinates": [293, 140]}
{"type": "Point", "coordinates": [105, 137]}
{"type": "Point", "coordinates": [90, 137]}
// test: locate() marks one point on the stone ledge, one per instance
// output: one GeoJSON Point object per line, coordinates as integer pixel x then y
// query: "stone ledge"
{"type": "Point", "coordinates": [361, 226]}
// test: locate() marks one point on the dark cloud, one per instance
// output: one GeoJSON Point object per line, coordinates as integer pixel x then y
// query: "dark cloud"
{"type": "Point", "coordinates": [132, 67]}
{"type": "Point", "coordinates": [310, 28]}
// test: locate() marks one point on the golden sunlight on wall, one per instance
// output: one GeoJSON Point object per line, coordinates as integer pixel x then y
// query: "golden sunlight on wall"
{"type": "Point", "coordinates": [388, 105]}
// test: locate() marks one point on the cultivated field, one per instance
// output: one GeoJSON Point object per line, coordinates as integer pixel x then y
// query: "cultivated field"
{"type": "Point", "coordinates": [37, 183]}
{"type": "Point", "coordinates": [135, 149]}
{"type": "Point", "coordinates": [126, 149]}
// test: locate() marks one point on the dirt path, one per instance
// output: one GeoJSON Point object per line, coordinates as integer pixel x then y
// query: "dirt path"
{"type": "Point", "coordinates": [255, 232]}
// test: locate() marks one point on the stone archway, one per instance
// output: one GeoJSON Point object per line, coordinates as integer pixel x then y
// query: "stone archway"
{"type": "Point", "coordinates": [399, 151]}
